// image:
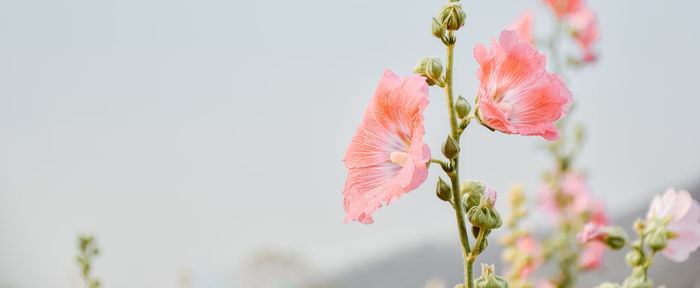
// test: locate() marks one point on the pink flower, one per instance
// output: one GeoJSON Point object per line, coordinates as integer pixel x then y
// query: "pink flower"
{"type": "Point", "coordinates": [524, 27]}
{"type": "Point", "coordinates": [530, 249]}
{"type": "Point", "coordinates": [591, 232]}
{"type": "Point", "coordinates": [545, 284]}
{"type": "Point", "coordinates": [517, 95]}
{"type": "Point", "coordinates": [586, 32]}
{"type": "Point", "coordinates": [592, 256]}
{"type": "Point", "coordinates": [565, 7]}
{"type": "Point", "coordinates": [684, 215]}
{"type": "Point", "coordinates": [577, 197]}
{"type": "Point", "coordinates": [386, 157]}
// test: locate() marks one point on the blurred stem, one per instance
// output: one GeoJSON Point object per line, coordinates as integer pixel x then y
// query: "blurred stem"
{"type": "Point", "coordinates": [454, 173]}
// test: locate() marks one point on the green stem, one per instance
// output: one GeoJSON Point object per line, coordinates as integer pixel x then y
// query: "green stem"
{"type": "Point", "coordinates": [454, 173]}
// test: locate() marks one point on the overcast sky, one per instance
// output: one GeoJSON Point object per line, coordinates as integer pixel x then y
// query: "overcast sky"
{"type": "Point", "coordinates": [188, 134]}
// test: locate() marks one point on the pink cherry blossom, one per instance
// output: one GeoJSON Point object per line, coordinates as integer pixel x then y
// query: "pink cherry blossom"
{"type": "Point", "coordinates": [683, 212]}
{"type": "Point", "coordinates": [564, 7]}
{"type": "Point", "coordinates": [586, 32]}
{"type": "Point", "coordinates": [529, 247]}
{"type": "Point", "coordinates": [386, 157]}
{"type": "Point", "coordinates": [517, 95]}
{"type": "Point", "coordinates": [524, 27]}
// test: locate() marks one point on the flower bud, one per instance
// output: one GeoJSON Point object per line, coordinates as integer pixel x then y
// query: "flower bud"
{"type": "Point", "coordinates": [615, 238]}
{"type": "Point", "coordinates": [657, 240]}
{"type": "Point", "coordinates": [470, 187]}
{"type": "Point", "coordinates": [475, 231]}
{"type": "Point", "coordinates": [634, 258]}
{"type": "Point", "coordinates": [484, 216]}
{"type": "Point", "coordinates": [638, 279]}
{"type": "Point", "coordinates": [483, 246]}
{"type": "Point", "coordinates": [490, 280]}
{"type": "Point", "coordinates": [431, 69]}
{"type": "Point", "coordinates": [462, 107]}
{"type": "Point", "coordinates": [452, 16]}
{"type": "Point", "coordinates": [443, 190]}
{"type": "Point", "coordinates": [450, 148]}
{"type": "Point", "coordinates": [437, 29]}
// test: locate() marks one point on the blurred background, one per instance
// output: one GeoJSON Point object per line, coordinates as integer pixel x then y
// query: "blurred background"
{"type": "Point", "coordinates": [201, 141]}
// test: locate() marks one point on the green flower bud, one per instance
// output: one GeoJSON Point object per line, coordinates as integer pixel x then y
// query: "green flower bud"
{"type": "Point", "coordinates": [608, 285]}
{"type": "Point", "coordinates": [462, 107]}
{"type": "Point", "coordinates": [431, 69]}
{"type": "Point", "coordinates": [475, 231]}
{"type": "Point", "coordinates": [452, 16]}
{"type": "Point", "coordinates": [450, 148]}
{"type": "Point", "coordinates": [473, 186]}
{"type": "Point", "coordinates": [657, 240]}
{"type": "Point", "coordinates": [634, 258]}
{"type": "Point", "coordinates": [638, 279]}
{"type": "Point", "coordinates": [437, 29]}
{"type": "Point", "coordinates": [443, 190]}
{"type": "Point", "coordinates": [483, 246]}
{"type": "Point", "coordinates": [484, 216]}
{"type": "Point", "coordinates": [490, 280]}
{"type": "Point", "coordinates": [615, 238]}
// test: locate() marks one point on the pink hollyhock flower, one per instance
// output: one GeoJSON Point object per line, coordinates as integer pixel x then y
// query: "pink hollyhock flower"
{"type": "Point", "coordinates": [586, 32]}
{"type": "Point", "coordinates": [565, 7]}
{"type": "Point", "coordinates": [574, 187]}
{"type": "Point", "coordinates": [517, 95]}
{"type": "Point", "coordinates": [386, 157]}
{"type": "Point", "coordinates": [524, 27]}
{"type": "Point", "coordinates": [531, 249]}
{"type": "Point", "coordinates": [591, 232]}
{"type": "Point", "coordinates": [592, 255]}
{"type": "Point", "coordinates": [683, 212]}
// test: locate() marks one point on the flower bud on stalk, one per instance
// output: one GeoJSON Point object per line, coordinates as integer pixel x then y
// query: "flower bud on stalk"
{"type": "Point", "coordinates": [430, 68]}
{"type": "Point", "coordinates": [450, 148]}
{"type": "Point", "coordinates": [615, 238]}
{"type": "Point", "coordinates": [638, 279]}
{"type": "Point", "coordinates": [657, 240]}
{"type": "Point", "coordinates": [490, 280]}
{"type": "Point", "coordinates": [437, 29]}
{"type": "Point", "coordinates": [443, 190]}
{"type": "Point", "coordinates": [634, 258]}
{"type": "Point", "coordinates": [485, 215]}
{"type": "Point", "coordinates": [462, 107]}
{"type": "Point", "coordinates": [452, 16]}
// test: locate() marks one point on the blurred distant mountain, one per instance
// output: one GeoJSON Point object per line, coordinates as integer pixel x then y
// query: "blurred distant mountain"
{"type": "Point", "coordinates": [416, 266]}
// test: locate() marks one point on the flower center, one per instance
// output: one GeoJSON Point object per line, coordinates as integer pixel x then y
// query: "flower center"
{"type": "Point", "coordinates": [398, 157]}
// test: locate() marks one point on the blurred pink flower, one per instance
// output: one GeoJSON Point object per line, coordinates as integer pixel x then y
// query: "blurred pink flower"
{"type": "Point", "coordinates": [545, 284]}
{"type": "Point", "coordinates": [564, 7]}
{"type": "Point", "coordinates": [524, 27]}
{"type": "Point", "coordinates": [591, 232]}
{"type": "Point", "coordinates": [585, 30]}
{"type": "Point", "coordinates": [531, 249]}
{"type": "Point", "coordinates": [592, 255]}
{"type": "Point", "coordinates": [386, 157]}
{"type": "Point", "coordinates": [517, 95]}
{"type": "Point", "coordinates": [574, 187]}
{"type": "Point", "coordinates": [684, 215]}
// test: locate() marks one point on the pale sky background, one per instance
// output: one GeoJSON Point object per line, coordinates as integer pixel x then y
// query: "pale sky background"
{"type": "Point", "coordinates": [188, 134]}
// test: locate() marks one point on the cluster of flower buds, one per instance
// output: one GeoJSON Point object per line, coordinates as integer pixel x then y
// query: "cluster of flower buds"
{"type": "Point", "coordinates": [430, 68]}
{"type": "Point", "coordinates": [613, 237]}
{"type": "Point", "coordinates": [450, 18]}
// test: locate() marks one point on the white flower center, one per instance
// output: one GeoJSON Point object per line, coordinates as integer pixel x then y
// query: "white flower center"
{"type": "Point", "coordinates": [398, 157]}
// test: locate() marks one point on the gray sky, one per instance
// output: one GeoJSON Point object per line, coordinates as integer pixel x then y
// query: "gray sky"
{"type": "Point", "coordinates": [188, 134]}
